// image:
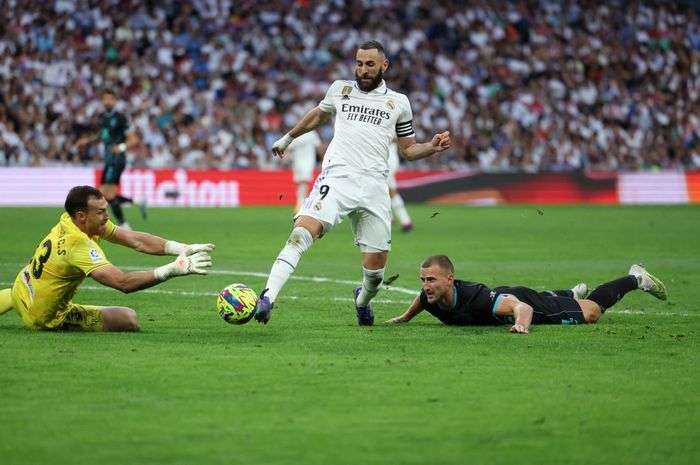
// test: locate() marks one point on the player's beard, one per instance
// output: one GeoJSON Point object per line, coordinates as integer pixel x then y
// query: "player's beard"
{"type": "Point", "coordinates": [373, 84]}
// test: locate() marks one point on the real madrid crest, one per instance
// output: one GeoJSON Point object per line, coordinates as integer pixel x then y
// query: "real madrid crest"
{"type": "Point", "coordinates": [391, 104]}
{"type": "Point", "coordinates": [318, 205]}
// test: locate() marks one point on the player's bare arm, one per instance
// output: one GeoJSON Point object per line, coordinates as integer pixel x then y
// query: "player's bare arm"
{"type": "Point", "coordinates": [412, 310]}
{"type": "Point", "coordinates": [112, 276]}
{"type": "Point", "coordinates": [310, 121]}
{"type": "Point", "coordinates": [139, 241]}
{"type": "Point", "coordinates": [153, 245]}
{"type": "Point", "coordinates": [520, 311]}
{"type": "Point", "coordinates": [411, 150]}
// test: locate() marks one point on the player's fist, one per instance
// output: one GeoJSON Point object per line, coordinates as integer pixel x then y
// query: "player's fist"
{"type": "Point", "coordinates": [281, 145]}
{"type": "Point", "coordinates": [441, 141]}
{"type": "Point", "coordinates": [519, 329]}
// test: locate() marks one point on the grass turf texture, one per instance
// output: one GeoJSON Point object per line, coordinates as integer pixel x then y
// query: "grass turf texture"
{"type": "Point", "coordinates": [312, 387]}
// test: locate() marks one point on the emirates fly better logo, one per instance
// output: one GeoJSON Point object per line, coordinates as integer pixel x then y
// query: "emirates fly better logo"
{"type": "Point", "coordinates": [364, 114]}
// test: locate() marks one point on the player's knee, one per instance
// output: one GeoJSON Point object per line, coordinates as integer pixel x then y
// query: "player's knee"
{"type": "Point", "coordinates": [373, 260]}
{"type": "Point", "coordinates": [120, 319]}
{"type": "Point", "coordinates": [131, 320]}
{"type": "Point", "coordinates": [312, 225]}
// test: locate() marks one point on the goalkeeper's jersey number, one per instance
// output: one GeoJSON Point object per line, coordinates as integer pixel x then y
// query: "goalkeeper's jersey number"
{"type": "Point", "coordinates": [39, 262]}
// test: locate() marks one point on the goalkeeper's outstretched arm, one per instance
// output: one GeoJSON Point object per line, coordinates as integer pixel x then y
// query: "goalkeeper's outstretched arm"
{"type": "Point", "coordinates": [112, 276]}
{"type": "Point", "coordinates": [154, 245]}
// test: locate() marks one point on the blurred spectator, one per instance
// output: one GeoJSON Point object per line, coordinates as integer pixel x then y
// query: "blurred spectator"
{"type": "Point", "coordinates": [522, 85]}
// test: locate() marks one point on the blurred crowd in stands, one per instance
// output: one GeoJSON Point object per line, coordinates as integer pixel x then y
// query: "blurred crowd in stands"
{"type": "Point", "coordinates": [522, 85]}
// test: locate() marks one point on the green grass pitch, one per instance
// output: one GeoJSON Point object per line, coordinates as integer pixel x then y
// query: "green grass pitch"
{"type": "Point", "coordinates": [314, 388]}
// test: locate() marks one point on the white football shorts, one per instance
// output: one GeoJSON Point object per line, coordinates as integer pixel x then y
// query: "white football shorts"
{"type": "Point", "coordinates": [362, 196]}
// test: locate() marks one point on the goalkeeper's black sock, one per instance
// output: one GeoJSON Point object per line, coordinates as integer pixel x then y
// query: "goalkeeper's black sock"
{"type": "Point", "coordinates": [117, 210]}
{"type": "Point", "coordinates": [121, 199]}
{"type": "Point", "coordinates": [608, 294]}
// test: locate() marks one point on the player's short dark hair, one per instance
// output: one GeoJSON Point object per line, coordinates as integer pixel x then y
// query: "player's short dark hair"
{"type": "Point", "coordinates": [77, 198]}
{"type": "Point", "coordinates": [110, 91]}
{"type": "Point", "coordinates": [373, 44]}
{"type": "Point", "coordinates": [443, 261]}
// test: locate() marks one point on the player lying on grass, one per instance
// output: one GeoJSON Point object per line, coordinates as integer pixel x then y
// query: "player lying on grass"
{"type": "Point", "coordinates": [43, 290]}
{"type": "Point", "coordinates": [464, 303]}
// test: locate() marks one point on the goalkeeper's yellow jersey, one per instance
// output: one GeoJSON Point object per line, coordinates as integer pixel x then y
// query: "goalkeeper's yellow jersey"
{"type": "Point", "coordinates": [44, 288]}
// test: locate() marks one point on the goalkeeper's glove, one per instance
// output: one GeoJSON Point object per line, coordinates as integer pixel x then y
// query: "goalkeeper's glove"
{"type": "Point", "coordinates": [196, 263]}
{"type": "Point", "coordinates": [175, 248]}
{"type": "Point", "coordinates": [281, 144]}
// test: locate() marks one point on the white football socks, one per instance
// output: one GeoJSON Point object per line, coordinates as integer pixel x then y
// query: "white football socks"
{"type": "Point", "coordinates": [399, 209]}
{"type": "Point", "coordinates": [371, 280]}
{"type": "Point", "coordinates": [299, 242]}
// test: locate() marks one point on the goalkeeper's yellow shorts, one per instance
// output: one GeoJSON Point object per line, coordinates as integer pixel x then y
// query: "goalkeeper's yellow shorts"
{"type": "Point", "coordinates": [83, 318]}
{"type": "Point", "coordinates": [88, 318]}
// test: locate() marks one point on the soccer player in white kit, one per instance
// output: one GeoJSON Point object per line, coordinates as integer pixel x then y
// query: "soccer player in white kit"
{"type": "Point", "coordinates": [397, 205]}
{"type": "Point", "coordinates": [353, 180]}
{"type": "Point", "coordinates": [304, 151]}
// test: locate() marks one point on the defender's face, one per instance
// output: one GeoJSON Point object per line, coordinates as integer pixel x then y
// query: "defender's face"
{"type": "Point", "coordinates": [109, 101]}
{"type": "Point", "coordinates": [369, 69]}
{"type": "Point", "coordinates": [96, 217]}
{"type": "Point", "coordinates": [437, 284]}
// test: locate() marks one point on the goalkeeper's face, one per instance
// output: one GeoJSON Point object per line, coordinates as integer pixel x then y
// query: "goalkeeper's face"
{"type": "Point", "coordinates": [369, 69]}
{"type": "Point", "coordinates": [94, 219]}
{"type": "Point", "coordinates": [437, 284]}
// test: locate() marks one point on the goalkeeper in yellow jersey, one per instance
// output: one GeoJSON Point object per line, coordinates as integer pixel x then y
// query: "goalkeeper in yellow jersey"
{"type": "Point", "coordinates": [43, 291]}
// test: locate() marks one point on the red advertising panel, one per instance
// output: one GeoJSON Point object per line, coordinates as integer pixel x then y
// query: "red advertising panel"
{"type": "Point", "coordinates": [693, 183]}
{"type": "Point", "coordinates": [214, 188]}
{"type": "Point", "coordinates": [207, 188]}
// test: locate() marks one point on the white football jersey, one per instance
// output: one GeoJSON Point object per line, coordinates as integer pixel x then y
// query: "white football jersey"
{"type": "Point", "coordinates": [365, 124]}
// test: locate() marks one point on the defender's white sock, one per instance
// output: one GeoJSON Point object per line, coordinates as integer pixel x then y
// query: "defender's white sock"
{"type": "Point", "coordinates": [299, 242]}
{"type": "Point", "coordinates": [399, 209]}
{"type": "Point", "coordinates": [371, 280]}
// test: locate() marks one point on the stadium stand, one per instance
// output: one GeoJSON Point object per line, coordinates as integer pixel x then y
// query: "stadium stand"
{"type": "Point", "coordinates": [523, 86]}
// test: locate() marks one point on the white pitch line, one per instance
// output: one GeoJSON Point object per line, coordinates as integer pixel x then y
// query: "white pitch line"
{"type": "Point", "coordinates": [639, 312]}
{"type": "Point", "coordinates": [316, 279]}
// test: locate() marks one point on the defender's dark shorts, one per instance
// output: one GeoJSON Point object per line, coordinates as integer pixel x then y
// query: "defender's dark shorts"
{"type": "Point", "coordinates": [112, 173]}
{"type": "Point", "coordinates": [547, 309]}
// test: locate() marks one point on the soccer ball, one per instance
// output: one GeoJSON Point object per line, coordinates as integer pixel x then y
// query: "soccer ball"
{"type": "Point", "coordinates": [236, 303]}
